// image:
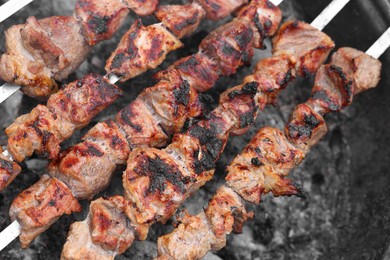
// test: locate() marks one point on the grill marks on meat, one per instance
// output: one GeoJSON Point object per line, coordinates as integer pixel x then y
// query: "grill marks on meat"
{"type": "Point", "coordinates": [142, 7]}
{"type": "Point", "coordinates": [8, 170]}
{"type": "Point", "coordinates": [100, 19]}
{"type": "Point", "coordinates": [39, 52]}
{"type": "Point", "coordinates": [45, 127]}
{"type": "Point", "coordinates": [181, 20]}
{"type": "Point", "coordinates": [309, 46]}
{"type": "Point", "coordinates": [39, 206]}
{"type": "Point", "coordinates": [263, 166]}
{"type": "Point", "coordinates": [87, 167]}
{"type": "Point", "coordinates": [140, 49]}
{"type": "Point", "coordinates": [218, 9]}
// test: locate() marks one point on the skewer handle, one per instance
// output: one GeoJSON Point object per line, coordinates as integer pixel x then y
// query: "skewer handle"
{"type": "Point", "coordinates": [9, 234]}
{"type": "Point", "coordinates": [380, 46]}
{"type": "Point", "coordinates": [11, 7]}
{"type": "Point", "coordinates": [328, 14]}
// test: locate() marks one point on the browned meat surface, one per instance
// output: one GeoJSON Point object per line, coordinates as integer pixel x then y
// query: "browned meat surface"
{"type": "Point", "coordinates": [100, 19]}
{"type": "Point", "coordinates": [83, 99]}
{"type": "Point", "coordinates": [181, 20]}
{"type": "Point", "coordinates": [8, 170]}
{"type": "Point", "coordinates": [264, 18]}
{"type": "Point", "coordinates": [87, 167]}
{"type": "Point", "coordinates": [307, 45]}
{"type": "Point", "coordinates": [39, 51]}
{"type": "Point", "coordinates": [140, 49]}
{"type": "Point", "coordinates": [230, 45]}
{"type": "Point", "coordinates": [39, 206]}
{"type": "Point", "coordinates": [200, 71]}
{"type": "Point", "coordinates": [364, 69]}
{"type": "Point", "coordinates": [142, 7]}
{"type": "Point", "coordinates": [41, 131]}
{"type": "Point", "coordinates": [18, 65]}
{"type": "Point", "coordinates": [44, 128]}
{"type": "Point", "coordinates": [218, 9]}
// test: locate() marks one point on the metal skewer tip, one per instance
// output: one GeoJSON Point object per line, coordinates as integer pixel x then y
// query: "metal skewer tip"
{"type": "Point", "coordinates": [9, 234]}
{"type": "Point", "coordinates": [11, 7]}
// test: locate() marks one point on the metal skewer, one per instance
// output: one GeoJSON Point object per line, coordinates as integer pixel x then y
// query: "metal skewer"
{"type": "Point", "coordinates": [13, 230]}
{"type": "Point", "coordinates": [11, 7]}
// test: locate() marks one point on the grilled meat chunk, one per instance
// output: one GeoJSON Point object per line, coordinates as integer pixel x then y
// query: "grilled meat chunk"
{"type": "Point", "coordinates": [218, 9]}
{"type": "Point", "coordinates": [142, 7]}
{"type": "Point", "coordinates": [306, 44]}
{"type": "Point", "coordinates": [39, 206]}
{"type": "Point", "coordinates": [8, 170]}
{"type": "Point", "coordinates": [264, 18]}
{"type": "Point", "coordinates": [39, 52]}
{"type": "Point", "coordinates": [181, 20]}
{"type": "Point", "coordinates": [364, 69]}
{"type": "Point", "coordinates": [140, 49]}
{"type": "Point", "coordinates": [230, 45]}
{"type": "Point", "coordinates": [100, 19]}
{"type": "Point", "coordinates": [73, 107]}
{"type": "Point", "coordinates": [198, 69]}
{"type": "Point", "coordinates": [87, 167]}
{"type": "Point", "coordinates": [83, 99]}
{"type": "Point", "coordinates": [41, 131]}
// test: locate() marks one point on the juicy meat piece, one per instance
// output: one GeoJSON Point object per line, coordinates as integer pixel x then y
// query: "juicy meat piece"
{"type": "Point", "coordinates": [41, 131]}
{"type": "Point", "coordinates": [18, 66]}
{"type": "Point", "coordinates": [364, 69]}
{"type": "Point", "coordinates": [192, 239]}
{"type": "Point", "coordinates": [39, 206]}
{"type": "Point", "coordinates": [332, 90]}
{"type": "Point", "coordinates": [230, 45]}
{"type": "Point", "coordinates": [308, 46]}
{"type": "Point", "coordinates": [182, 20]}
{"type": "Point", "coordinates": [142, 7]}
{"type": "Point", "coordinates": [199, 70]}
{"type": "Point", "coordinates": [264, 18]}
{"type": "Point", "coordinates": [141, 126]}
{"type": "Point", "coordinates": [218, 9]}
{"type": "Point", "coordinates": [305, 127]}
{"type": "Point", "coordinates": [261, 167]}
{"type": "Point", "coordinates": [83, 99]}
{"type": "Point", "coordinates": [100, 19]}
{"type": "Point", "coordinates": [154, 183]}
{"type": "Point", "coordinates": [226, 214]}
{"type": "Point", "coordinates": [87, 167]}
{"type": "Point", "coordinates": [49, 40]}
{"type": "Point", "coordinates": [172, 101]}
{"type": "Point", "coordinates": [140, 49]}
{"type": "Point", "coordinates": [8, 170]}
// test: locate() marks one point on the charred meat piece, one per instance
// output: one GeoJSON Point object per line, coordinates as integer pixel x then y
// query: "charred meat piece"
{"type": "Point", "coordinates": [199, 70]}
{"type": "Point", "coordinates": [306, 44]}
{"type": "Point", "coordinates": [230, 45]}
{"type": "Point", "coordinates": [100, 19]}
{"type": "Point", "coordinates": [8, 170]}
{"type": "Point", "coordinates": [142, 7]}
{"type": "Point", "coordinates": [140, 49]}
{"type": "Point", "coordinates": [87, 167]}
{"type": "Point", "coordinates": [39, 206]}
{"type": "Point", "coordinates": [41, 131]}
{"type": "Point", "coordinates": [83, 99]}
{"type": "Point", "coordinates": [218, 9]}
{"type": "Point", "coordinates": [364, 69]}
{"type": "Point", "coordinates": [264, 18]}
{"type": "Point", "coordinates": [181, 20]}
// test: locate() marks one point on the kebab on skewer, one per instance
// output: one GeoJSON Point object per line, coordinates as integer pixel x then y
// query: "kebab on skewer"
{"type": "Point", "coordinates": [42, 51]}
{"type": "Point", "coordinates": [140, 48]}
{"type": "Point", "coordinates": [150, 120]}
{"type": "Point", "coordinates": [157, 182]}
{"type": "Point", "coordinates": [265, 162]}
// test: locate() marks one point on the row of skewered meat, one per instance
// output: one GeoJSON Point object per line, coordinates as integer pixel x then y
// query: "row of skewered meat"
{"type": "Point", "coordinates": [46, 127]}
{"type": "Point", "coordinates": [265, 162]}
